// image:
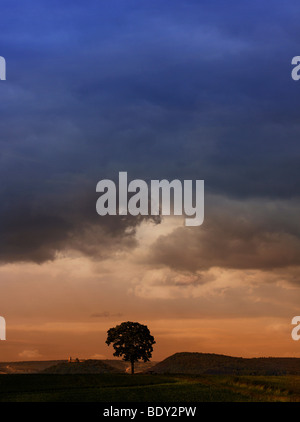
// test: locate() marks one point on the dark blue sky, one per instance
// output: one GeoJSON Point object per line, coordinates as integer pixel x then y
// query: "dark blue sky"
{"type": "Point", "coordinates": [181, 89]}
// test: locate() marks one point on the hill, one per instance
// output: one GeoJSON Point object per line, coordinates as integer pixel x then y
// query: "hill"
{"type": "Point", "coordinates": [210, 363]}
{"type": "Point", "coordinates": [92, 366]}
{"type": "Point", "coordinates": [27, 367]}
{"type": "Point", "coordinates": [86, 367]}
{"type": "Point", "coordinates": [55, 366]}
{"type": "Point", "coordinates": [126, 367]}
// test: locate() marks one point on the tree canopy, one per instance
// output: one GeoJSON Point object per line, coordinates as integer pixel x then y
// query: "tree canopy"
{"type": "Point", "coordinates": [132, 341]}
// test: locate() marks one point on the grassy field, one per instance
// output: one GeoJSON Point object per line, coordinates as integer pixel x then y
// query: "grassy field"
{"type": "Point", "coordinates": [147, 388]}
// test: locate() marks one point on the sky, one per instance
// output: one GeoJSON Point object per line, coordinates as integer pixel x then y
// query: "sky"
{"type": "Point", "coordinates": [176, 90]}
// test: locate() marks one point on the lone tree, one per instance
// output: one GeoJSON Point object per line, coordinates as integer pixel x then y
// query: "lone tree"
{"type": "Point", "coordinates": [131, 340]}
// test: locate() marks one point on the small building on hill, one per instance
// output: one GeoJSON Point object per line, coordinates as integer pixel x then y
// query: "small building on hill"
{"type": "Point", "coordinates": [76, 360]}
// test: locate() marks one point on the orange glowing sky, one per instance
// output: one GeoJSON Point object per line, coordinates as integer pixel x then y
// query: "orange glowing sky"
{"type": "Point", "coordinates": [64, 307]}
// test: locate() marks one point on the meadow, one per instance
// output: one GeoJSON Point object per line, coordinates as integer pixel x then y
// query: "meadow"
{"type": "Point", "coordinates": [148, 388]}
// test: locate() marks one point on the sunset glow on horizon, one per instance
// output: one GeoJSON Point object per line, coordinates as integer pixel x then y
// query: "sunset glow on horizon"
{"type": "Point", "coordinates": [64, 307]}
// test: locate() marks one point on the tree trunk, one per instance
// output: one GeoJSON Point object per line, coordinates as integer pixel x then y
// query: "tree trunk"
{"type": "Point", "coordinates": [132, 367]}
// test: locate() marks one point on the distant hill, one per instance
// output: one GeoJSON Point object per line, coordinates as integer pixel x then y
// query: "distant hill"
{"type": "Point", "coordinates": [126, 367]}
{"type": "Point", "coordinates": [92, 366]}
{"type": "Point", "coordinates": [86, 367]}
{"type": "Point", "coordinates": [63, 366]}
{"type": "Point", "coordinates": [27, 367]}
{"type": "Point", "coordinates": [210, 363]}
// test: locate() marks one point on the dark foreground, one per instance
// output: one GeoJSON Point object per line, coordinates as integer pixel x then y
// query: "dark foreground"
{"type": "Point", "coordinates": [147, 388]}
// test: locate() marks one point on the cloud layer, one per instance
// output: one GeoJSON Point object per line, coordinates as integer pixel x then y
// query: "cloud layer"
{"type": "Point", "coordinates": [191, 90]}
{"type": "Point", "coordinates": [253, 234]}
{"type": "Point", "coordinates": [199, 91]}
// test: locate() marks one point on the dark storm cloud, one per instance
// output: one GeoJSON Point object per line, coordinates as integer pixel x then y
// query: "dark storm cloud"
{"type": "Point", "coordinates": [29, 233]}
{"type": "Point", "coordinates": [236, 235]}
{"type": "Point", "coordinates": [188, 90]}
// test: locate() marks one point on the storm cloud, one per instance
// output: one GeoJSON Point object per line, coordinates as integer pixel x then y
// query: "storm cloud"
{"type": "Point", "coordinates": [253, 234]}
{"type": "Point", "coordinates": [182, 92]}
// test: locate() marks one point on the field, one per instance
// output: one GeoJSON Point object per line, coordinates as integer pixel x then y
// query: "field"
{"type": "Point", "coordinates": [147, 388]}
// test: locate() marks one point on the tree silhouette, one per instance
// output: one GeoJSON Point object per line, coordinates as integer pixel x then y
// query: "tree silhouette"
{"type": "Point", "coordinates": [131, 340]}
